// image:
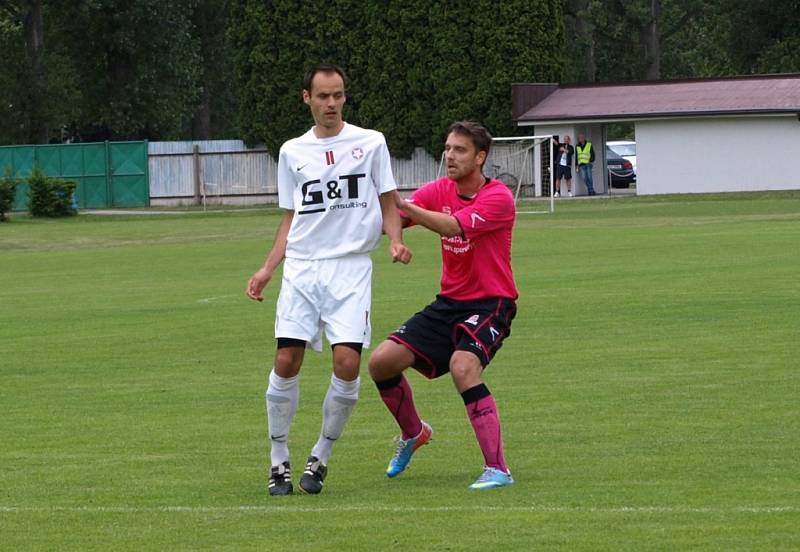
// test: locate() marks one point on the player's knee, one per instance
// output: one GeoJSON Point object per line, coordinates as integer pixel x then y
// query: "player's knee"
{"type": "Point", "coordinates": [288, 361]}
{"type": "Point", "coordinates": [383, 362]}
{"type": "Point", "coordinates": [346, 368]}
{"type": "Point", "coordinates": [376, 363]}
{"type": "Point", "coordinates": [465, 369]}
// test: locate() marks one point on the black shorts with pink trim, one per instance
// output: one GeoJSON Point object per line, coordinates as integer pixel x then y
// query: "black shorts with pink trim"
{"type": "Point", "coordinates": [447, 325]}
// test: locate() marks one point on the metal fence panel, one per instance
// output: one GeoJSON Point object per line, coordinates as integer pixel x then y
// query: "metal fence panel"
{"type": "Point", "coordinates": [48, 158]}
{"type": "Point", "coordinates": [22, 160]}
{"type": "Point", "coordinates": [107, 174]}
{"type": "Point", "coordinates": [128, 173]}
{"type": "Point", "coordinates": [93, 186]}
{"type": "Point", "coordinates": [72, 165]}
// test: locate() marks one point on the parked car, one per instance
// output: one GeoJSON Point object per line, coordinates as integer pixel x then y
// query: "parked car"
{"type": "Point", "coordinates": [620, 170]}
{"type": "Point", "coordinates": [626, 149]}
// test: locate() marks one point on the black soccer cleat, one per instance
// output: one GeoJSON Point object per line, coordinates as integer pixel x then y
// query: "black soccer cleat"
{"type": "Point", "coordinates": [313, 476]}
{"type": "Point", "coordinates": [280, 480]}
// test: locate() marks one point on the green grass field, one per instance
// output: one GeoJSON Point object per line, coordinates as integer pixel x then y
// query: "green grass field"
{"type": "Point", "coordinates": [649, 393]}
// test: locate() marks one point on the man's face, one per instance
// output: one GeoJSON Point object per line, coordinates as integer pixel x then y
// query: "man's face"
{"type": "Point", "coordinates": [566, 140]}
{"type": "Point", "coordinates": [461, 156]}
{"type": "Point", "coordinates": [581, 137]}
{"type": "Point", "coordinates": [326, 99]}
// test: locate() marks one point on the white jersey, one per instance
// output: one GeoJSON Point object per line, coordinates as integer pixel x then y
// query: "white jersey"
{"type": "Point", "coordinates": [332, 184]}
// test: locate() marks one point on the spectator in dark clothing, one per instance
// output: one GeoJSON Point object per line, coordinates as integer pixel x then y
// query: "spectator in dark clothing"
{"type": "Point", "coordinates": [563, 160]}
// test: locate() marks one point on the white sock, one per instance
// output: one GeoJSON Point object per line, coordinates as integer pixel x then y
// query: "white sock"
{"type": "Point", "coordinates": [340, 400]}
{"type": "Point", "coordinates": [282, 397]}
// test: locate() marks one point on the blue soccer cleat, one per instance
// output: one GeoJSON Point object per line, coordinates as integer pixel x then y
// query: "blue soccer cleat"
{"type": "Point", "coordinates": [405, 449]}
{"type": "Point", "coordinates": [492, 478]}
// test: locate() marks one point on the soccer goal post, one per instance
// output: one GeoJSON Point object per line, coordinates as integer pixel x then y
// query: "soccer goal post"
{"type": "Point", "coordinates": [525, 165]}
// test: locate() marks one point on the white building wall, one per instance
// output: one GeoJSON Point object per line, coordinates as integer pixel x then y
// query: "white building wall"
{"type": "Point", "coordinates": [730, 154]}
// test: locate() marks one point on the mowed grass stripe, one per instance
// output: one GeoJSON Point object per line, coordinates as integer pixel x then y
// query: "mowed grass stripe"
{"type": "Point", "coordinates": [262, 509]}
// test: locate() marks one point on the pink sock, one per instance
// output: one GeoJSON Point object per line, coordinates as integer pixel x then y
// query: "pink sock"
{"type": "Point", "coordinates": [399, 399]}
{"type": "Point", "coordinates": [486, 423]}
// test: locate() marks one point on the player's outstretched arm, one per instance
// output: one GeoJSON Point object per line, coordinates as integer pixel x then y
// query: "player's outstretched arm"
{"type": "Point", "coordinates": [259, 280]}
{"type": "Point", "coordinates": [393, 227]}
{"type": "Point", "coordinates": [441, 223]}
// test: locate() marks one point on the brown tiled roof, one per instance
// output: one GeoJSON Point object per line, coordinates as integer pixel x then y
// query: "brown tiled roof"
{"type": "Point", "coordinates": [637, 100]}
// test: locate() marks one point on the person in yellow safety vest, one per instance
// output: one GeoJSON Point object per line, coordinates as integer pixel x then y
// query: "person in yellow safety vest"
{"type": "Point", "coordinates": [584, 157]}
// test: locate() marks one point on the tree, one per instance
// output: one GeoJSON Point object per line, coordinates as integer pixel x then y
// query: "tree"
{"type": "Point", "coordinates": [659, 25]}
{"type": "Point", "coordinates": [214, 111]}
{"type": "Point", "coordinates": [767, 35]}
{"type": "Point", "coordinates": [414, 66]}
{"type": "Point", "coordinates": [13, 81]}
{"type": "Point", "coordinates": [138, 69]}
{"type": "Point", "coordinates": [29, 15]}
{"type": "Point", "coordinates": [580, 24]}
{"type": "Point", "coordinates": [628, 39]}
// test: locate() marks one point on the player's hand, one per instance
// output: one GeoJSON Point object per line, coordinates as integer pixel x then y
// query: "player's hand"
{"type": "Point", "coordinates": [399, 202]}
{"type": "Point", "coordinates": [400, 252]}
{"type": "Point", "coordinates": [256, 284]}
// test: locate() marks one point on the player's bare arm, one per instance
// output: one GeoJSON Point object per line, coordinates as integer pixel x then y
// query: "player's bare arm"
{"type": "Point", "coordinates": [263, 275]}
{"type": "Point", "coordinates": [441, 223]}
{"type": "Point", "coordinates": [393, 227]}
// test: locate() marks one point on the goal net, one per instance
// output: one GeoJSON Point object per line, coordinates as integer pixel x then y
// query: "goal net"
{"type": "Point", "coordinates": [524, 164]}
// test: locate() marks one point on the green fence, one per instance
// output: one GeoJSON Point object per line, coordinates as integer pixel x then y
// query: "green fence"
{"type": "Point", "coordinates": [108, 174]}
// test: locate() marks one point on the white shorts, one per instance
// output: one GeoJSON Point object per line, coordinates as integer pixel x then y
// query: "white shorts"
{"type": "Point", "coordinates": [330, 294]}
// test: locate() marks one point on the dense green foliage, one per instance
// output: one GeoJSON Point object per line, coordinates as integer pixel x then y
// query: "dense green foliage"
{"type": "Point", "coordinates": [8, 190]}
{"type": "Point", "coordinates": [146, 80]}
{"type": "Point", "coordinates": [113, 69]}
{"type": "Point", "coordinates": [611, 40]}
{"type": "Point", "coordinates": [648, 391]}
{"type": "Point", "coordinates": [202, 69]}
{"type": "Point", "coordinates": [50, 197]}
{"type": "Point", "coordinates": [413, 67]}
{"type": "Point", "coordinates": [767, 35]}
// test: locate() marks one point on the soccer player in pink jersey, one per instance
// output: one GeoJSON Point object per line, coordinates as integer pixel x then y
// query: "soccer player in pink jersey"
{"type": "Point", "coordinates": [462, 330]}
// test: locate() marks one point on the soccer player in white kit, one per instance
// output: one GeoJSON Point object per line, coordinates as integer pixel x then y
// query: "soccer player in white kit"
{"type": "Point", "coordinates": [336, 184]}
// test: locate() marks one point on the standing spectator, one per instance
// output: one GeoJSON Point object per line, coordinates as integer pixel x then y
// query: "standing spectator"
{"type": "Point", "coordinates": [564, 166]}
{"type": "Point", "coordinates": [584, 159]}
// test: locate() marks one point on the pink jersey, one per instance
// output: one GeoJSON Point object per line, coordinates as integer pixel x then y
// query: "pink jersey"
{"type": "Point", "coordinates": [476, 265]}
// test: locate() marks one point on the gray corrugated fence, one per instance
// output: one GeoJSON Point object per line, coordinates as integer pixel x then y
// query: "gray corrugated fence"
{"type": "Point", "coordinates": [211, 168]}
{"type": "Point", "coordinates": [227, 168]}
{"type": "Point", "coordinates": [227, 171]}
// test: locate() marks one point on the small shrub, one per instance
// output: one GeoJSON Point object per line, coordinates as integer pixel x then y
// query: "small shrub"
{"type": "Point", "coordinates": [8, 191]}
{"type": "Point", "coordinates": [50, 197]}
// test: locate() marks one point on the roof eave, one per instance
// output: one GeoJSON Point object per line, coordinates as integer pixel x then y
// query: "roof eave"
{"type": "Point", "coordinates": [613, 118]}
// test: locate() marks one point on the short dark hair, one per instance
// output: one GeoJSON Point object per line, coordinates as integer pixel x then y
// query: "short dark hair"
{"type": "Point", "coordinates": [477, 132]}
{"type": "Point", "coordinates": [321, 68]}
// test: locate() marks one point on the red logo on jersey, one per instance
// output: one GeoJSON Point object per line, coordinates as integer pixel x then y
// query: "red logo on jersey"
{"type": "Point", "coordinates": [358, 153]}
{"type": "Point", "coordinates": [329, 157]}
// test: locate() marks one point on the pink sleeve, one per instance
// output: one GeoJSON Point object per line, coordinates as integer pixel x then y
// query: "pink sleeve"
{"type": "Point", "coordinates": [423, 197]}
{"type": "Point", "coordinates": [491, 211]}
